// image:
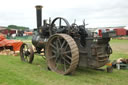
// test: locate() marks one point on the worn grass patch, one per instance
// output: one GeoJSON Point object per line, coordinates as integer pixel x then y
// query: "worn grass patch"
{"type": "Point", "coordinates": [15, 72]}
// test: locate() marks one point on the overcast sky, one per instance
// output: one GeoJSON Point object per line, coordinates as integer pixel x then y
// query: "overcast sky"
{"type": "Point", "coordinates": [97, 13]}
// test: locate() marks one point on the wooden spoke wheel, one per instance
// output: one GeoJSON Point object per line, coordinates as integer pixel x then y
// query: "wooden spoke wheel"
{"type": "Point", "coordinates": [26, 53]}
{"type": "Point", "coordinates": [62, 54]}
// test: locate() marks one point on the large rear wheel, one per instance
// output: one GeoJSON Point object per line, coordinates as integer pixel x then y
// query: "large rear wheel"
{"type": "Point", "coordinates": [62, 54]}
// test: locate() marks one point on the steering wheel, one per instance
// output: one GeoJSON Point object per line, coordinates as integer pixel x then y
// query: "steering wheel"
{"type": "Point", "coordinates": [59, 27]}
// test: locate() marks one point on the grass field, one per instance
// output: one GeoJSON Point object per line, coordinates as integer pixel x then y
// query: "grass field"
{"type": "Point", "coordinates": [15, 72]}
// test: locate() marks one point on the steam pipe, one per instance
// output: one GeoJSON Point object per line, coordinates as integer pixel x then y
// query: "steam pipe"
{"type": "Point", "coordinates": [39, 16]}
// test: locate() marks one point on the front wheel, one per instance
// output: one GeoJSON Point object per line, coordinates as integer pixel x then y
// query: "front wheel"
{"type": "Point", "coordinates": [26, 53]}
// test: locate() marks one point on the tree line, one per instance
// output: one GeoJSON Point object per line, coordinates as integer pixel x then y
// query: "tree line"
{"type": "Point", "coordinates": [17, 27]}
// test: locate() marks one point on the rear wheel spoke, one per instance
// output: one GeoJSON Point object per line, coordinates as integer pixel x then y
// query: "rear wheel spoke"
{"type": "Point", "coordinates": [65, 68]}
{"type": "Point", "coordinates": [56, 44]}
{"type": "Point", "coordinates": [53, 46]}
{"type": "Point", "coordinates": [66, 52]}
{"type": "Point", "coordinates": [68, 57]}
{"type": "Point", "coordinates": [57, 63]}
{"type": "Point", "coordinates": [66, 61]}
{"type": "Point", "coordinates": [66, 46]}
{"type": "Point", "coordinates": [63, 44]}
{"type": "Point", "coordinates": [54, 51]}
{"type": "Point", "coordinates": [58, 39]}
{"type": "Point", "coordinates": [52, 57]}
{"type": "Point", "coordinates": [56, 60]}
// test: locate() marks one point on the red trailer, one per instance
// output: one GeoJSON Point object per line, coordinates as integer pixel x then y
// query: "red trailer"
{"type": "Point", "coordinates": [12, 32]}
{"type": "Point", "coordinates": [126, 32]}
{"type": "Point", "coordinates": [107, 30]}
{"type": "Point", "coordinates": [6, 31]}
{"type": "Point", "coordinates": [120, 31]}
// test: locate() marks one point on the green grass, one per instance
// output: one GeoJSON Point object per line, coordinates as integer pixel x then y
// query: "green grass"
{"type": "Point", "coordinates": [120, 48]}
{"type": "Point", "coordinates": [15, 72]}
{"type": "Point", "coordinates": [21, 38]}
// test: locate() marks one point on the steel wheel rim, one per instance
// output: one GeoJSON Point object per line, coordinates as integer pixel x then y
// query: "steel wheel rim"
{"type": "Point", "coordinates": [62, 58]}
{"type": "Point", "coordinates": [26, 53]}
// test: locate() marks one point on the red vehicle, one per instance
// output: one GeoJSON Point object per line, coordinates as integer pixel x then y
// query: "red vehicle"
{"type": "Point", "coordinates": [13, 45]}
{"type": "Point", "coordinates": [6, 31]}
{"type": "Point", "coordinates": [100, 32]}
{"type": "Point", "coordinates": [121, 32]}
{"type": "Point", "coordinates": [126, 32]}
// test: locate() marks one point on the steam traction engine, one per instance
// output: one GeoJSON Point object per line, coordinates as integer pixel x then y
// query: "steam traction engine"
{"type": "Point", "coordinates": [66, 45]}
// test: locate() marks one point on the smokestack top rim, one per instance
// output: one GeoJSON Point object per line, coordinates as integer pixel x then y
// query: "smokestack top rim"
{"type": "Point", "coordinates": [38, 6]}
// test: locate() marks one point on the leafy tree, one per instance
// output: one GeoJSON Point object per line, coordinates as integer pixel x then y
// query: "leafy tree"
{"type": "Point", "coordinates": [17, 27]}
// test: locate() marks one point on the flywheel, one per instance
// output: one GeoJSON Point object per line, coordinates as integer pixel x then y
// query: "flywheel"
{"type": "Point", "coordinates": [62, 54]}
{"type": "Point", "coordinates": [26, 53]}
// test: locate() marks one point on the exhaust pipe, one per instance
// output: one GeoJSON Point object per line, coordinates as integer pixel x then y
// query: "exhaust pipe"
{"type": "Point", "coordinates": [39, 16]}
